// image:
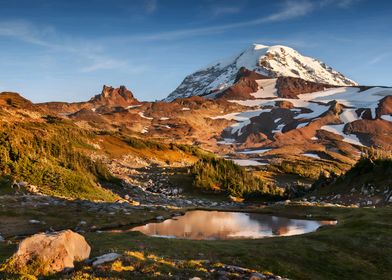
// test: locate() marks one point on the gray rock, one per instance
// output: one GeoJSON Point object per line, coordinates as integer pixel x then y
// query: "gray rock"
{"type": "Point", "coordinates": [105, 258]}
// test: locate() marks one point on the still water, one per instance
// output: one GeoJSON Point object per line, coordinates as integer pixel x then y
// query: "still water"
{"type": "Point", "coordinates": [214, 225]}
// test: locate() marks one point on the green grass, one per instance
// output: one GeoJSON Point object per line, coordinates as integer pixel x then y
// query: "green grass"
{"type": "Point", "coordinates": [358, 247]}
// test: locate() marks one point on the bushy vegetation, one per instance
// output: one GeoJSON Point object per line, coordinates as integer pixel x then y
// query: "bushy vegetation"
{"type": "Point", "coordinates": [138, 143]}
{"type": "Point", "coordinates": [312, 170]}
{"type": "Point", "coordinates": [374, 163]}
{"type": "Point", "coordinates": [220, 175]}
{"type": "Point", "coordinates": [374, 167]}
{"type": "Point", "coordinates": [372, 160]}
{"type": "Point", "coordinates": [49, 156]}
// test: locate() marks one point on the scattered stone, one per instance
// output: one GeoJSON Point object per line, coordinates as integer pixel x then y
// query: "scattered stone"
{"type": "Point", "coordinates": [2, 239]}
{"type": "Point", "coordinates": [195, 278]}
{"type": "Point", "coordinates": [32, 188]}
{"type": "Point", "coordinates": [257, 276]}
{"type": "Point", "coordinates": [105, 258]}
{"type": "Point", "coordinates": [50, 252]}
{"type": "Point", "coordinates": [34, 222]}
{"type": "Point", "coordinates": [159, 218]}
{"type": "Point", "coordinates": [22, 184]}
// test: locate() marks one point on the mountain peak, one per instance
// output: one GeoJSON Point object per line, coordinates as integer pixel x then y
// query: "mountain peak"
{"type": "Point", "coordinates": [271, 61]}
{"type": "Point", "coordinates": [120, 96]}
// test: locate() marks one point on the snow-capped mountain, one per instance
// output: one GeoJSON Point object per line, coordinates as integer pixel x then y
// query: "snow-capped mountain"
{"type": "Point", "coordinates": [271, 61]}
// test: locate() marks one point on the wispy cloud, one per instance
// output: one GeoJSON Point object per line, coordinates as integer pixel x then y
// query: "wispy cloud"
{"type": "Point", "coordinates": [339, 3]}
{"type": "Point", "coordinates": [291, 10]}
{"type": "Point", "coordinates": [380, 57]}
{"type": "Point", "coordinates": [217, 11]}
{"type": "Point", "coordinates": [102, 63]}
{"type": "Point", "coordinates": [46, 36]}
{"type": "Point", "coordinates": [25, 31]}
{"type": "Point", "coordinates": [151, 6]}
{"type": "Point", "coordinates": [288, 10]}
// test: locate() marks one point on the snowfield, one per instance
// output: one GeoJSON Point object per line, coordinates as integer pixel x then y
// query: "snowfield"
{"type": "Point", "coordinates": [309, 107]}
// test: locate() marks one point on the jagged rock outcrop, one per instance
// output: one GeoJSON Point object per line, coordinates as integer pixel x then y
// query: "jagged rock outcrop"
{"type": "Point", "coordinates": [114, 97]}
{"type": "Point", "coordinates": [290, 87]}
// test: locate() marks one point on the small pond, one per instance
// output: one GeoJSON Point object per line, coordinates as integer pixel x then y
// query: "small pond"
{"type": "Point", "coordinates": [215, 225]}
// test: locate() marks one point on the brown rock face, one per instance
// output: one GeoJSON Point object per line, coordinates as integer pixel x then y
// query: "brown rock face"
{"type": "Point", "coordinates": [50, 253]}
{"type": "Point", "coordinates": [290, 87]}
{"type": "Point", "coordinates": [240, 90]}
{"type": "Point", "coordinates": [376, 133]}
{"type": "Point", "coordinates": [245, 84]}
{"type": "Point", "coordinates": [114, 97]}
{"type": "Point", "coordinates": [385, 106]}
{"type": "Point", "coordinates": [245, 73]}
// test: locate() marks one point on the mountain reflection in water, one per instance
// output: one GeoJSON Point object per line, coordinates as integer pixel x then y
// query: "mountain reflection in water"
{"type": "Point", "coordinates": [210, 225]}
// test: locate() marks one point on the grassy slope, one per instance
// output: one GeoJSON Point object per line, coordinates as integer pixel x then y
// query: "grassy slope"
{"type": "Point", "coordinates": [50, 156]}
{"type": "Point", "coordinates": [53, 155]}
{"type": "Point", "coordinates": [359, 247]}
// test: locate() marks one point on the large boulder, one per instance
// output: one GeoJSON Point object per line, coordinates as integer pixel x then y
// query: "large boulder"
{"type": "Point", "coordinates": [47, 253]}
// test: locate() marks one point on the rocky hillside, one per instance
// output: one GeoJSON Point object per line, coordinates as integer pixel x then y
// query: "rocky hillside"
{"type": "Point", "coordinates": [258, 121]}
{"type": "Point", "coordinates": [109, 97]}
{"type": "Point", "coordinates": [274, 61]}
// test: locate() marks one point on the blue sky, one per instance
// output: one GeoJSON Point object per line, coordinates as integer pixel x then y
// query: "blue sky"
{"type": "Point", "coordinates": [66, 50]}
